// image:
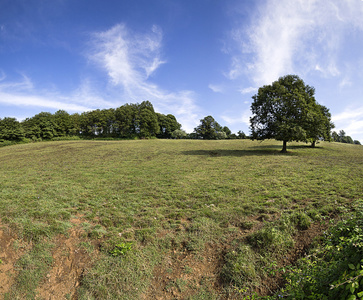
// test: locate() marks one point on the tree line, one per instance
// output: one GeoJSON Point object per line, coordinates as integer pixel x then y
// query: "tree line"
{"type": "Point", "coordinates": [341, 137]}
{"type": "Point", "coordinates": [127, 121]}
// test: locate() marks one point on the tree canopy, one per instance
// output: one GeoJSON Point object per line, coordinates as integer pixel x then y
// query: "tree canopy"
{"type": "Point", "coordinates": [287, 111]}
{"type": "Point", "coordinates": [209, 129]}
{"type": "Point", "coordinates": [127, 121]}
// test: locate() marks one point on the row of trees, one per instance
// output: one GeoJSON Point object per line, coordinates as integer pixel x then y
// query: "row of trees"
{"type": "Point", "coordinates": [341, 137]}
{"type": "Point", "coordinates": [127, 121]}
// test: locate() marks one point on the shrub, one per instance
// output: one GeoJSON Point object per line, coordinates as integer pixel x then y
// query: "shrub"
{"type": "Point", "coordinates": [333, 270]}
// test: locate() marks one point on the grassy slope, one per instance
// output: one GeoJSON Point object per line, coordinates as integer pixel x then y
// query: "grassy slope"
{"type": "Point", "coordinates": [168, 194]}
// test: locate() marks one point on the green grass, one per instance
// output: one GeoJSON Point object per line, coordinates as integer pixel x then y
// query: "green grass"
{"type": "Point", "coordinates": [165, 195]}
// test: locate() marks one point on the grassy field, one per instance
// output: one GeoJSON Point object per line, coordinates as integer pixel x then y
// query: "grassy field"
{"type": "Point", "coordinates": [165, 219]}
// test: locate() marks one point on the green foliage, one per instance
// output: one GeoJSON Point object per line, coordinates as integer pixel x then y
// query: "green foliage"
{"type": "Point", "coordinates": [168, 126]}
{"type": "Point", "coordinates": [209, 129]}
{"type": "Point", "coordinates": [11, 130]}
{"type": "Point", "coordinates": [334, 270]}
{"type": "Point", "coordinates": [343, 138]}
{"type": "Point", "coordinates": [287, 111]}
{"type": "Point", "coordinates": [121, 249]}
{"type": "Point", "coordinates": [178, 134]}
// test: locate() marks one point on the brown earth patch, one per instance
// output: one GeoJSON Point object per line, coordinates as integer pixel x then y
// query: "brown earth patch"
{"type": "Point", "coordinates": [70, 260]}
{"type": "Point", "coordinates": [9, 254]}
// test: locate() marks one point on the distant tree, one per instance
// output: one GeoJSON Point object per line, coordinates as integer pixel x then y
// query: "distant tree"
{"type": "Point", "coordinates": [221, 135]}
{"type": "Point", "coordinates": [341, 136]}
{"type": "Point", "coordinates": [281, 111]}
{"type": "Point", "coordinates": [167, 125]}
{"type": "Point", "coordinates": [63, 123]}
{"type": "Point", "coordinates": [41, 126]}
{"type": "Point", "coordinates": [356, 142]}
{"type": "Point", "coordinates": [193, 136]}
{"type": "Point", "coordinates": [11, 129]}
{"type": "Point", "coordinates": [227, 131]}
{"type": "Point", "coordinates": [126, 120]}
{"type": "Point", "coordinates": [335, 136]}
{"type": "Point", "coordinates": [318, 124]}
{"type": "Point", "coordinates": [178, 134]}
{"type": "Point", "coordinates": [241, 135]}
{"type": "Point", "coordinates": [208, 128]}
{"type": "Point", "coordinates": [148, 125]}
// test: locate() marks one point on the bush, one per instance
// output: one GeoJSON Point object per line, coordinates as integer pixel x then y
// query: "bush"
{"type": "Point", "coordinates": [334, 270]}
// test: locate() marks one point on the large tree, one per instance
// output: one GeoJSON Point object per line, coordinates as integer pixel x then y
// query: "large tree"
{"type": "Point", "coordinates": [286, 111]}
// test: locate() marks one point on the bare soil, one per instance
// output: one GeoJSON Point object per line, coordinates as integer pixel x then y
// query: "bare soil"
{"type": "Point", "coordinates": [10, 252]}
{"type": "Point", "coordinates": [70, 262]}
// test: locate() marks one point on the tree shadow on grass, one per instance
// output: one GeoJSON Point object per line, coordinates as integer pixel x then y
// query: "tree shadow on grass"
{"type": "Point", "coordinates": [224, 152]}
{"type": "Point", "coordinates": [262, 150]}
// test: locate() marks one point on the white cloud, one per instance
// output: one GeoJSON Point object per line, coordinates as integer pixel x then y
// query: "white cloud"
{"type": "Point", "coordinates": [248, 90]}
{"type": "Point", "coordinates": [216, 88]}
{"type": "Point", "coordinates": [38, 101]}
{"type": "Point", "coordinates": [22, 93]}
{"type": "Point", "coordinates": [351, 121]}
{"type": "Point", "coordinates": [242, 118]}
{"type": "Point", "coordinates": [129, 60]}
{"type": "Point", "coordinates": [297, 36]}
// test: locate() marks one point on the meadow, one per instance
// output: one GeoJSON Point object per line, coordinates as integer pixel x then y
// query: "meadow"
{"type": "Point", "coordinates": [166, 219]}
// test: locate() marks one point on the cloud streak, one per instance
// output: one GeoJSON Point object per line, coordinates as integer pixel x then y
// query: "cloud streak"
{"type": "Point", "coordinates": [130, 60]}
{"type": "Point", "coordinates": [351, 121]}
{"type": "Point", "coordinates": [298, 36]}
{"type": "Point", "coordinates": [22, 93]}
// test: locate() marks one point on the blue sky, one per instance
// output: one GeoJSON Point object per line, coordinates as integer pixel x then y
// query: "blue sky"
{"type": "Point", "coordinates": [190, 58]}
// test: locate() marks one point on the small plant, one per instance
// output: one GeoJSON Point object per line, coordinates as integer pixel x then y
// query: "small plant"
{"type": "Point", "coordinates": [121, 249]}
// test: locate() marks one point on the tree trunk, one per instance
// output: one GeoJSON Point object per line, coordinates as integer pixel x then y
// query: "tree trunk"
{"type": "Point", "coordinates": [284, 147]}
{"type": "Point", "coordinates": [313, 144]}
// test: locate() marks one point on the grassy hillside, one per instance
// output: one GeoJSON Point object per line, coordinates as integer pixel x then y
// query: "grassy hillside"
{"type": "Point", "coordinates": [165, 219]}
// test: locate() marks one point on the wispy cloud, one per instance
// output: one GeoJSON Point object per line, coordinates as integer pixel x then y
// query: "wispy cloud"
{"type": "Point", "coordinates": [22, 93]}
{"type": "Point", "coordinates": [298, 36]}
{"type": "Point", "coordinates": [351, 121]}
{"type": "Point", "coordinates": [244, 118]}
{"type": "Point", "coordinates": [248, 90]}
{"type": "Point", "coordinates": [216, 88]}
{"type": "Point", "coordinates": [130, 59]}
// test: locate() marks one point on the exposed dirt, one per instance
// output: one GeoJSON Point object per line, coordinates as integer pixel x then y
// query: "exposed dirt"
{"type": "Point", "coordinates": [71, 257]}
{"type": "Point", "coordinates": [9, 254]}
